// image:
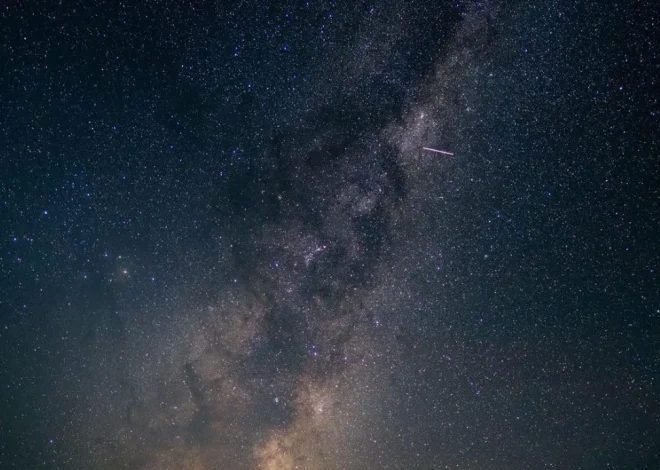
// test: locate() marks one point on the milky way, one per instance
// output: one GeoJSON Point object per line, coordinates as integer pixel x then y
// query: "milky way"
{"type": "Point", "coordinates": [228, 246]}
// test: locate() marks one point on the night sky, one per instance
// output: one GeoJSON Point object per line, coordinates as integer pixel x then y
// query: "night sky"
{"type": "Point", "coordinates": [224, 246]}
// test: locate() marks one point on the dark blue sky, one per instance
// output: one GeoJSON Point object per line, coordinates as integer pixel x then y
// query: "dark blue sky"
{"type": "Point", "coordinates": [222, 244]}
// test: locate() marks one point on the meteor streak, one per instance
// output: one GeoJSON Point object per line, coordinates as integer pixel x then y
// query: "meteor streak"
{"type": "Point", "coordinates": [437, 151]}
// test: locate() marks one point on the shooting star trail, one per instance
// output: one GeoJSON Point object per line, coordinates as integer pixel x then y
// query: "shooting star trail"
{"type": "Point", "coordinates": [437, 151]}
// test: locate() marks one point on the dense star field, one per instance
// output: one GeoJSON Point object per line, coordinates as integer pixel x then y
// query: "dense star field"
{"type": "Point", "coordinates": [223, 244]}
